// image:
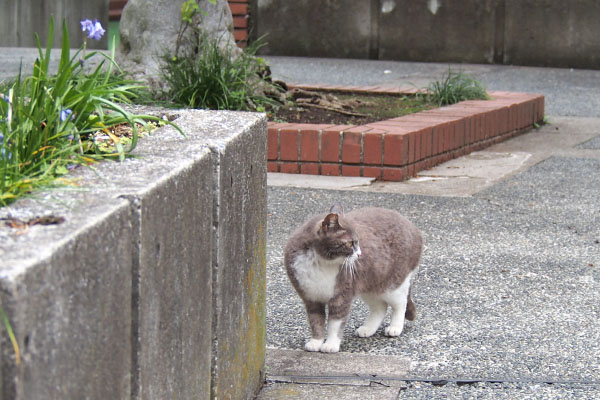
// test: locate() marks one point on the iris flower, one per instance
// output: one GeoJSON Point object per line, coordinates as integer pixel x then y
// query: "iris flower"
{"type": "Point", "coordinates": [94, 29]}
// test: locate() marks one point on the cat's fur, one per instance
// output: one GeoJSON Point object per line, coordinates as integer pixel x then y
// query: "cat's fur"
{"type": "Point", "coordinates": [369, 252]}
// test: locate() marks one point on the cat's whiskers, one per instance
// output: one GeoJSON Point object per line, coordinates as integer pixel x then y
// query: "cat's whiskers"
{"type": "Point", "coordinates": [349, 265]}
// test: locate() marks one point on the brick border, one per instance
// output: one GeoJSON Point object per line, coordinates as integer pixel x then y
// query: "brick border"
{"type": "Point", "coordinates": [398, 148]}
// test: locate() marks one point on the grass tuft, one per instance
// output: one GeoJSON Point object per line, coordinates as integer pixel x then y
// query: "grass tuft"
{"type": "Point", "coordinates": [214, 79]}
{"type": "Point", "coordinates": [455, 87]}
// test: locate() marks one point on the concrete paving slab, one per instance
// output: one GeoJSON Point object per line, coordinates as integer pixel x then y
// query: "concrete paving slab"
{"type": "Point", "coordinates": [300, 363]}
{"type": "Point", "coordinates": [317, 181]}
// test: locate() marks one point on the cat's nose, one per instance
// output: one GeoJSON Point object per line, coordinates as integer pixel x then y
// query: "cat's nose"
{"type": "Point", "coordinates": [358, 252]}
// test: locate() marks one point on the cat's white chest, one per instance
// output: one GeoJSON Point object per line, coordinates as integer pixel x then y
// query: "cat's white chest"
{"type": "Point", "coordinates": [316, 276]}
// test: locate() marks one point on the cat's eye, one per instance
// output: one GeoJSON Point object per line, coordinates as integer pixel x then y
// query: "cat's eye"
{"type": "Point", "coordinates": [350, 243]}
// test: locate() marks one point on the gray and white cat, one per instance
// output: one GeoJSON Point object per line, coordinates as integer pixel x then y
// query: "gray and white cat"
{"type": "Point", "coordinates": [369, 252]}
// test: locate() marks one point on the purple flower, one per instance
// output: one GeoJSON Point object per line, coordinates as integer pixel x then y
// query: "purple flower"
{"type": "Point", "coordinates": [64, 114]}
{"type": "Point", "coordinates": [94, 29]}
{"type": "Point", "coordinates": [3, 151]}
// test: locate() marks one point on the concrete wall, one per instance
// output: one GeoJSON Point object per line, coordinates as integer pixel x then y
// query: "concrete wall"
{"type": "Point", "coordinates": [154, 286]}
{"type": "Point", "coordinates": [522, 32]}
{"type": "Point", "coordinates": [20, 20]}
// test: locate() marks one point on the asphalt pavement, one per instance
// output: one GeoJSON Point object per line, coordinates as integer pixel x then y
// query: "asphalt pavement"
{"type": "Point", "coordinates": [508, 291]}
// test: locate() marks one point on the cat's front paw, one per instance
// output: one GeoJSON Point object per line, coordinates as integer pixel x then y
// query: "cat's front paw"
{"type": "Point", "coordinates": [330, 346]}
{"type": "Point", "coordinates": [365, 331]}
{"type": "Point", "coordinates": [393, 331]}
{"type": "Point", "coordinates": [313, 345]}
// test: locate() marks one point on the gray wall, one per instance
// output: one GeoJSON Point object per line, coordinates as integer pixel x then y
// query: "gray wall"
{"type": "Point", "coordinates": [522, 32]}
{"type": "Point", "coordinates": [21, 19]}
{"type": "Point", "coordinates": [154, 287]}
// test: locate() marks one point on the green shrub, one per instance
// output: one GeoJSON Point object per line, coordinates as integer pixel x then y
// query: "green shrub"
{"type": "Point", "coordinates": [213, 79]}
{"type": "Point", "coordinates": [455, 87]}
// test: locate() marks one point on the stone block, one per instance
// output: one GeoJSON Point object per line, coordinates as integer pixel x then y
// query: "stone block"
{"type": "Point", "coordinates": [154, 286]}
{"type": "Point", "coordinates": [66, 290]}
{"type": "Point", "coordinates": [240, 265]}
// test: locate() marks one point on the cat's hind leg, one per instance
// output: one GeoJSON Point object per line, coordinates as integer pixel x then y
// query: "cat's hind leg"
{"type": "Point", "coordinates": [398, 299]}
{"type": "Point", "coordinates": [377, 310]}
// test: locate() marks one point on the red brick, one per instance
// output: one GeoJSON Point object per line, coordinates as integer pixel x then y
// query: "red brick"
{"type": "Point", "coordinates": [288, 144]}
{"type": "Point", "coordinates": [272, 144]}
{"type": "Point", "coordinates": [420, 166]}
{"type": "Point", "coordinates": [350, 170]}
{"type": "Point", "coordinates": [395, 149]}
{"type": "Point", "coordinates": [309, 168]}
{"type": "Point", "coordinates": [309, 145]}
{"type": "Point", "coordinates": [240, 21]}
{"type": "Point", "coordinates": [238, 8]}
{"type": "Point", "coordinates": [290, 168]}
{"type": "Point", "coordinates": [272, 166]}
{"type": "Point", "coordinates": [373, 172]}
{"type": "Point", "coordinates": [351, 147]}
{"type": "Point", "coordinates": [373, 148]}
{"type": "Point", "coordinates": [330, 169]}
{"type": "Point", "coordinates": [330, 145]}
{"type": "Point", "coordinates": [395, 174]}
{"type": "Point", "coordinates": [240, 34]}
{"type": "Point", "coordinates": [437, 138]}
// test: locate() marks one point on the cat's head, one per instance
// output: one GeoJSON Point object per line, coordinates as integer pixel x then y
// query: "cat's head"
{"type": "Point", "coordinates": [337, 237]}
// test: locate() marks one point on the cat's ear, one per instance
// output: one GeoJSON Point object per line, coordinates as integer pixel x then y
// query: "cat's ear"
{"type": "Point", "coordinates": [337, 208]}
{"type": "Point", "coordinates": [330, 223]}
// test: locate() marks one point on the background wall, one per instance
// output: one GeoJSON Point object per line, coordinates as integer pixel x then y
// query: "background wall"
{"type": "Point", "coordinates": [522, 32]}
{"type": "Point", "coordinates": [20, 20]}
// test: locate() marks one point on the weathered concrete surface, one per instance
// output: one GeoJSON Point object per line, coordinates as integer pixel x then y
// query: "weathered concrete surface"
{"type": "Point", "coordinates": [317, 29]}
{"type": "Point", "coordinates": [174, 286]}
{"type": "Point", "coordinates": [240, 266]}
{"type": "Point", "coordinates": [118, 301]}
{"type": "Point", "coordinates": [438, 30]}
{"type": "Point", "coordinates": [149, 28]}
{"type": "Point", "coordinates": [67, 292]}
{"type": "Point", "coordinates": [20, 20]}
{"type": "Point", "coordinates": [552, 33]}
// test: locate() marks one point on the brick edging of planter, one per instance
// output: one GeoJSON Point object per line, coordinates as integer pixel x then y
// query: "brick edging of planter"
{"type": "Point", "coordinates": [398, 148]}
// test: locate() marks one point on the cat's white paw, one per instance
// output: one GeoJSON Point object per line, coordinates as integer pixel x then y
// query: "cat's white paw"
{"type": "Point", "coordinates": [330, 346]}
{"type": "Point", "coordinates": [313, 345]}
{"type": "Point", "coordinates": [393, 331]}
{"type": "Point", "coordinates": [365, 331]}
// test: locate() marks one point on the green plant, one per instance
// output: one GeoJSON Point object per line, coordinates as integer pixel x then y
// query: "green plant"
{"type": "Point", "coordinates": [11, 336]}
{"type": "Point", "coordinates": [455, 87]}
{"type": "Point", "coordinates": [48, 121]}
{"type": "Point", "coordinates": [215, 79]}
{"type": "Point", "coordinates": [208, 75]}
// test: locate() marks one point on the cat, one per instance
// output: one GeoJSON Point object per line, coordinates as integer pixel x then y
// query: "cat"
{"type": "Point", "coordinates": [334, 257]}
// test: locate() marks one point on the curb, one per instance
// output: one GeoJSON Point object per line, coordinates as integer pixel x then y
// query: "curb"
{"type": "Point", "coordinates": [398, 148]}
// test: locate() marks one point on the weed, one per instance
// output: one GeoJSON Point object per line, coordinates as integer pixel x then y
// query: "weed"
{"type": "Point", "coordinates": [215, 79]}
{"type": "Point", "coordinates": [455, 87]}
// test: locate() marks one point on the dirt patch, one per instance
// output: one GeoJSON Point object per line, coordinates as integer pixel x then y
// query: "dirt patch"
{"type": "Point", "coordinates": [348, 109]}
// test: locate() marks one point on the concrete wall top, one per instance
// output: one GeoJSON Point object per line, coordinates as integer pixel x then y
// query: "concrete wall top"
{"type": "Point", "coordinates": [157, 157]}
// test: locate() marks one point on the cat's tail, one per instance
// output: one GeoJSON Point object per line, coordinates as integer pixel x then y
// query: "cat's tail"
{"type": "Point", "coordinates": [411, 310]}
